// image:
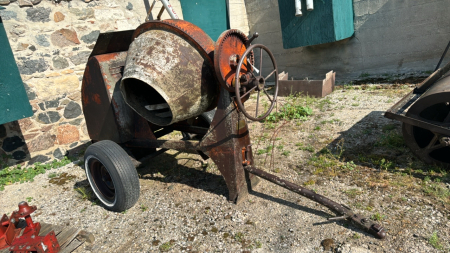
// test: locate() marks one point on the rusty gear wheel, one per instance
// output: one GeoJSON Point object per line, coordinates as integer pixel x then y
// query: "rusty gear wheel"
{"type": "Point", "coordinates": [230, 46]}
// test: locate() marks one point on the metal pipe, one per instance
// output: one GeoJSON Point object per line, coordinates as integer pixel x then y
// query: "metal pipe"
{"type": "Point", "coordinates": [169, 9]}
{"type": "Point", "coordinates": [160, 13]}
{"type": "Point", "coordinates": [298, 8]}
{"type": "Point", "coordinates": [342, 210]}
{"type": "Point", "coordinates": [310, 5]}
{"type": "Point", "coordinates": [442, 57]}
{"type": "Point", "coordinates": [149, 13]}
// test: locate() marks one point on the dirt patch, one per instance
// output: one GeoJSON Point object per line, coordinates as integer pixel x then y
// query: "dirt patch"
{"type": "Point", "coordinates": [346, 151]}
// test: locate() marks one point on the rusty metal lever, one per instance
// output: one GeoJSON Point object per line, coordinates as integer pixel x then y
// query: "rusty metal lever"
{"type": "Point", "coordinates": [365, 223]}
{"type": "Point", "coordinates": [254, 36]}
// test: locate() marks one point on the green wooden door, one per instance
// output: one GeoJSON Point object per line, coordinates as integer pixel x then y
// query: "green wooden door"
{"type": "Point", "coordinates": [210, 15]}
{"type": "Point", "coordinates": [331, 20]}
{"type": "Point", "coordinates": [14, 104]}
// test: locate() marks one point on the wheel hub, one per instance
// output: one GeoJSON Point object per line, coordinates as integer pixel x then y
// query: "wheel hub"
{"type": "Point", "coordinates": [260, 83]}
{"type": "Point", "coordinates": [106, 178]}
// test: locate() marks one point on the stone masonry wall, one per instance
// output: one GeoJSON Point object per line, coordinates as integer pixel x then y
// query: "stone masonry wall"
{"type": "Point", "coordinates": [51, 43]}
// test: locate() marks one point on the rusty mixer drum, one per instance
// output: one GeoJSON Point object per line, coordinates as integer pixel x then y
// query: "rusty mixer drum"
{"type": "Point", "coordinates": [169, 74]}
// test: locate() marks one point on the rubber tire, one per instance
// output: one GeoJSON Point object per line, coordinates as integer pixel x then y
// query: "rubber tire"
{"type": "Point", "coordinates": [121, 170]}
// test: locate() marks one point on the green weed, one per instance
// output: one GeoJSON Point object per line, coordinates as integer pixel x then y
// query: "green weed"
{"type": "Point", "coordinates": [352, 193]}
{"type": "Point", "coordinates": [12, 175]}
{"type": "Point", "coordinates": [305, 148]}
{"type": "Point", "coordinates": [144, 208]}
{"type": "Point", "coordinates": [349, 165]}
{"type": "Point", "coordinates": [437, 190]}
{"type": "Point", "coordinates": [435, 241]}
{"type": "Point", "coordinates": [378, 217]}
{"type": "Point", "coordinates": [239, 236]}
{"type": "Point", "coordinates": [166, 246]}
{"type": "Point", "coordinates": [388, 127]}
{"type": "Point", "coordinates": [309, 182]}
{"type": "Point", "coordinates": [286, 153]}
{"type": "Point", "coordinates": [52, 175]}
{"type": "Point", "coordinates": [85, 194]}
{"type": "Point", "coordinates": [289, 111]}
{"type": "Point", "coordinates": [391, 139]}
{"type": "Point", "coordinates": [265, 151]}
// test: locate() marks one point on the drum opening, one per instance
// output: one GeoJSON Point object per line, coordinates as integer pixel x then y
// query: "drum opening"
{"type": "Point", "coordinates": [146, 101]}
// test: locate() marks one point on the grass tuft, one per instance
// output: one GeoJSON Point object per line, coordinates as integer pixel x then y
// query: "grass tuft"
{"type": "Point", "coordinates": [11, 175]}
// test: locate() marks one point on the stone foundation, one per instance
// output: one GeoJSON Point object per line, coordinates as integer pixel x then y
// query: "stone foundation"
{"type": "Point", "coordinates": [51, 43]}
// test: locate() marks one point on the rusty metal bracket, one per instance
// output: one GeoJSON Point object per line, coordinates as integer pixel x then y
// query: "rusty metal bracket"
{"type": "Point", "coordinates": [342, 210]}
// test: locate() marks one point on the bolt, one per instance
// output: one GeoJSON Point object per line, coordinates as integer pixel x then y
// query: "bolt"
{"type": "Point", "coordinates": [13, 220]}
{"type": "Point", "coordinates": [28, 247]}
{"type": "Point", "coordinates": [33, 236]}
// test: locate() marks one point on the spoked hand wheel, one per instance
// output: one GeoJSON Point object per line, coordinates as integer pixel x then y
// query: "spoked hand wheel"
{"type": "Point", "coordinates": [250, 80]}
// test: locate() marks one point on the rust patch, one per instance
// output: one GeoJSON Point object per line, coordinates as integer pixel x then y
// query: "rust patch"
{"type": "Point", "coordinates": [96, 98]}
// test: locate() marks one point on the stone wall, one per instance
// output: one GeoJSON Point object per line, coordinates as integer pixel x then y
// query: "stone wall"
{"type": "Point", "coordinates": [391, 37]}
{"type": "Point", "coordinates": [51, 43]}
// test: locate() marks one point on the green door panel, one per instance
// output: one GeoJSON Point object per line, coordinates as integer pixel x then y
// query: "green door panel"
{"type": "Point", "coordinates": [210, 15]}
{"type": "Point", "coordinates": [14, 104]}
{"type": "Point", "coordinates": [331, 20]}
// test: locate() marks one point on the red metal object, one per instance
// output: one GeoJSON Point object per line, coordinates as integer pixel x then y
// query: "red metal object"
{"type": "Point", "coordinates": [230, 46]}
{"type": "Point", "coordinates": [7, 232]}
{"type": "Point", "coordinates": [29, 241]}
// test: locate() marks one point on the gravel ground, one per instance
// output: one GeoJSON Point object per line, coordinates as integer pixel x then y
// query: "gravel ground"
{"type": "Point", "coordinates": [183, 205]}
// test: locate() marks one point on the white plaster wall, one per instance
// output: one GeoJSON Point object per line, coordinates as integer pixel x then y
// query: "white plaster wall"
{"type": "Point", "coordinates": [391, 37]}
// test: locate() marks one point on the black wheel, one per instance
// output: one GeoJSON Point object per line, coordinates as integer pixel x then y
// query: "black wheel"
{"type": "Point", "coordinates": [432, 107]}
{"type": "Point", "coordinates": [112, 175]}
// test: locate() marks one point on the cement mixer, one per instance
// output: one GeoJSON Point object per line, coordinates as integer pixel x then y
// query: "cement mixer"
{"type": "Point", "coordinates": [169, 75]}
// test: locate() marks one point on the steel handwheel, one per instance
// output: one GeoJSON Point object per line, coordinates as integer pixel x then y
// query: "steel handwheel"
{"type": "Point", "coordinates": [255, 83]}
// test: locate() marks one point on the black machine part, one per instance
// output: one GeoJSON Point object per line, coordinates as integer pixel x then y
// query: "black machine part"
{"type": "Point", "coordinates": [425, 113]}
{"type": "Point", "coordinates": [112, 175]}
